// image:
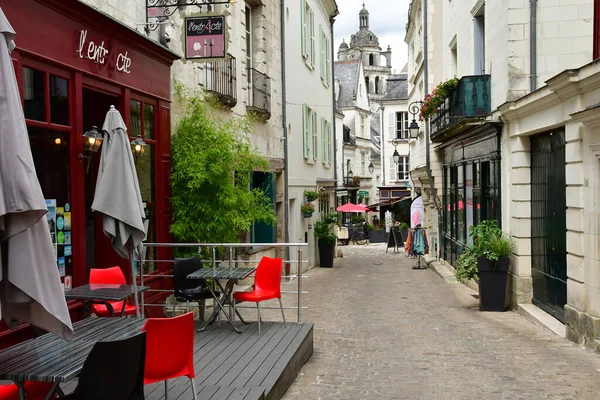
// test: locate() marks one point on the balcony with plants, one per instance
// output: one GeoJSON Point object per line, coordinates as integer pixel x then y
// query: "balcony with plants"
{"type": "Point", "coordinates": [259, 94]}
{"type": "Point", "coordinates": [456, 104]}
{"type": "Point", "coordinates": [221, 81]}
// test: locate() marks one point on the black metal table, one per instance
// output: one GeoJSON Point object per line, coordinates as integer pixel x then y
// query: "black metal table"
{"type": "Point", "coordinates": [49, 358]}
{"type": "Point", "coordinates": [231, 275]}
{"type": "Point", "coordinates": [103, 293]}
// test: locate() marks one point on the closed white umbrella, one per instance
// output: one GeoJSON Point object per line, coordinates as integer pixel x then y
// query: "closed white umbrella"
{"type": "Point", "coordinates": [118, 195]}
{"type": "Point", "coordinates": [30, 287]}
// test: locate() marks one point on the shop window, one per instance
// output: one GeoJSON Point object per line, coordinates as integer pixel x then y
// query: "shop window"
{"type": "Point", "coordinates": [50, 151]}
{"type": "Point", "coordinates": [59, 100]}
{"type": "Point", "coordinates": [34, 94]}
{"type": "Point", "coordinates": [460, 203]}
{"type": "Point", "coordinates": [141, 123]}
{"type": "Point", "coordinates": [262, 232]}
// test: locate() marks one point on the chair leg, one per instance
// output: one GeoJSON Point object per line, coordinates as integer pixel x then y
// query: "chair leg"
{"type": "Point", "coordinates": [187, 306]}
{"type": "Point", "coordinates": [166, 391]}
{"type": "Point", "coordinates": [193, 388]}
{"type": "Point", "coordinates": [258, 312]}
{"type": "Point", "coordinates": [174, 303]}
{"type": "Point", "coordinates": [282, 314]}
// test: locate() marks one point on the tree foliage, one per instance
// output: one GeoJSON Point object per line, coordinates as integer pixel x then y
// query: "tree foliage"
{"type": "Point", "coordinates": [213, 162]}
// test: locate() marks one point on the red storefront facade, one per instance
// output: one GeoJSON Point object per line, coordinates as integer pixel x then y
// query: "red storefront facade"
{"type": "Point", "coordinates": [72, 63]}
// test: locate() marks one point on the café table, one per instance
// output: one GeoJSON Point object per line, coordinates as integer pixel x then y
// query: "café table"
{"type": "Point", "coordinates": [50, 358]}
{"type": "Point", "coordinates": [231, 275]}
{"type": "Point", "coordinates": [103, 293]}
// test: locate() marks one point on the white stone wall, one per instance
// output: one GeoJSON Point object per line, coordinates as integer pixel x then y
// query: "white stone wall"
{"type": "Point", "coordinates": [129, 12]}
{"type": "Point", "coordinates": [563, 102]}
{"type": "Point", "coordinates": [305, 86]}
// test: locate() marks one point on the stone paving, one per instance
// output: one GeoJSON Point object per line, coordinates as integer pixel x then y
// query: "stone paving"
{"type": "Point", "coordinates": [385, 331]}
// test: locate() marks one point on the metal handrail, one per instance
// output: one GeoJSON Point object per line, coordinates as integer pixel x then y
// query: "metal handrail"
{"type": "Point", "coordinates": [231, 261]}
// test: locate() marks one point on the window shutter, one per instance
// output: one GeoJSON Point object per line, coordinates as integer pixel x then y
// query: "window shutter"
{"type": "Point", "coordinates": [392, 170]}
{"type": "Point", "coordinates": [315, 132]}
{"type": "Point", "coordinates": [312, 38]}
{"type": "Point", "coordinates": [322, 59]}
{"type": "Point", "coordinates": [305, 129]}
{"type": "Point", "coordinates": [303, 26]}
{"type": "Point", "coordinates": [329, 143]}
{"type": "Point", "coordinates": [324, 139]}
{"type": "Point", "coordinates": [392, 125]}
{"type": "Point", "coordinates": [328, 62]}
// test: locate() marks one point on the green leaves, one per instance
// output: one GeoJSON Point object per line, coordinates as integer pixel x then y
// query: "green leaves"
{"type": "Point", "coordinates": [211, 175]}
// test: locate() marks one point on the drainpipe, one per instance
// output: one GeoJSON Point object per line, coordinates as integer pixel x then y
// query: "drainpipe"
{"type": "Point", "coordinates": [333, 122]}
{"type": "Point", "coordinates": [533, 45]}
{"type": "Point", "coordinates": [286, 174]}
{"type": "Point", "coordinates": [382, 146]}
{"type": "Point", "coordinates": [427, 144]}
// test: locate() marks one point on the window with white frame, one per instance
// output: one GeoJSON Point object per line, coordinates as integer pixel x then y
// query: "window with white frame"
{"type": "Point", "coordinates": [325, 142]}
{"type": "Point", "coordinates": [402, 124]}
{"type": "Point", "coordinates": [403, 169]}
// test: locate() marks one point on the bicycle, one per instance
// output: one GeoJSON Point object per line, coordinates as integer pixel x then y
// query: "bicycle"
{"type": "Point", "coordinates": [358, 236]}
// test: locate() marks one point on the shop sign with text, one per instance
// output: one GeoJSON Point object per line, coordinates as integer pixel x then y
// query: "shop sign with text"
{"type": "Point", "coordinates": [103, 54]}
{"type": "Point", "coordinates": [205, 37]}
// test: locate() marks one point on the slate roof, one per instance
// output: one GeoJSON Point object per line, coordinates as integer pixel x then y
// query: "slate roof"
{"type": "Point", "coordinates": [397, 87]}
{"type": "Point", "coordinates": [346, 72]}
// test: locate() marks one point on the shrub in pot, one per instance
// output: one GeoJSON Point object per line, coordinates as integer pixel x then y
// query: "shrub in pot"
{"type": "Point", "coordinates": [326, 239]}
{"type": "Point", "coordinates": [488, 261]}
{"type": "Point", "coordinates": [311, 195]}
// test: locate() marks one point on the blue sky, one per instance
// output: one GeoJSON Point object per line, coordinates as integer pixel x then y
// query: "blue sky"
{"type": "Point", "coordinates": [387, 19]}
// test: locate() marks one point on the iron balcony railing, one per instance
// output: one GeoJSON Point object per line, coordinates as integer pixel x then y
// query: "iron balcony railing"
{"type": "Point", "coordinates": [259, 93]}
{"type": "Point", "coordinates": [470, 99]}
{"type": "Point", "coordinates": [221, 80]}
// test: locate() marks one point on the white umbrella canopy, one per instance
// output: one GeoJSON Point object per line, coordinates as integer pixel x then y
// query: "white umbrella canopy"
{"type": "Point", "coordinates": [30, 287]}
{"type": "Point", "coordinates": [118, 195]}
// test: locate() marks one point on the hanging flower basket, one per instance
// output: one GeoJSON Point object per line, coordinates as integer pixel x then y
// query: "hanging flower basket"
{"type": "Point", "coordinates": [435, 99]}
{"type": "Point", "coordinates": [311, 195]}
{"type": "Point", "coordinates": [307, 210]}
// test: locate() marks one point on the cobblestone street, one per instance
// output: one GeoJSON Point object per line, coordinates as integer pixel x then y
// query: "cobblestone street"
{"type": "Point", "coordinates": [385, 331]}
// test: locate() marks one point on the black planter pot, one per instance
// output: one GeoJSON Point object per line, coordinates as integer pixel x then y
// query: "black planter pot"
{"type": "Point", "coordinates": [492, 283]}
{"type": "Point", "coordinates": [326, 253]}
{"type": "Point", "coordinates": [377, 236]}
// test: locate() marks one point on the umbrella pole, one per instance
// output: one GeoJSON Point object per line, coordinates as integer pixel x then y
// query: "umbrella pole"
{"type": "Point", "coordinates": [134, 279]}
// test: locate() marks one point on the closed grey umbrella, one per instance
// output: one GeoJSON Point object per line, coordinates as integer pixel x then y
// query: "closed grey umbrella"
{"type": "Point", "coordinates": [118, 195]}
{"type": "Point", "coordinates": [30, 287]}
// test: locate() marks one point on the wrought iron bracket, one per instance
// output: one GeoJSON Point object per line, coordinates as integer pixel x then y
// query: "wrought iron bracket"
{"type": "Point", "coordinates": [159, 10]}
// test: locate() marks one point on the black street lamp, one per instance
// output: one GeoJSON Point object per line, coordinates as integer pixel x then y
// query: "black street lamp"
{"type": "Point", "coordinates": [413, 129]}
{"type": "Point", "coordinates": [349, 177]}
{"type": "Point", "coordinates": [371, 167]}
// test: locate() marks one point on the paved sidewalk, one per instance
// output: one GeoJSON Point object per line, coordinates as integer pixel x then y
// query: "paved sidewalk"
{"type": "Point", "coordinates": [386, 331]}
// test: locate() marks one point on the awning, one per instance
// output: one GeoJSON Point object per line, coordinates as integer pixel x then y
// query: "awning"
{"type": "Point", "coordinates": [389, 202]}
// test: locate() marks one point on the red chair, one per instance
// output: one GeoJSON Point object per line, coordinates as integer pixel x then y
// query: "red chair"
{"type": "Point", "coordinates": [35, 391]}
{"type": "Point", "coordinates": [112, 276]}
{"type": "Point", "coordinates": [170, 349]}
{"type": "Point", "coordinates": [267, 285]}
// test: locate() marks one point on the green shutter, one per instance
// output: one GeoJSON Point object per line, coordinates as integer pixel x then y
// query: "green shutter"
{"type": "Point", "coordinates": [305, 129]}
{"type": "Point", "coordinates": [328, 62]}
{"type": "Point", "coordinates": [322, 44]}
{"type": "Point", "coordinates": [312, 38]}
{"type": "Point", "coordinates": [324, 139]}
{"type": "Point", "coordinates": [315, 132]}
{"type": "Point", "coordinates": [329, 142]}
{"type": "Point", "coordinates": [303, 26]}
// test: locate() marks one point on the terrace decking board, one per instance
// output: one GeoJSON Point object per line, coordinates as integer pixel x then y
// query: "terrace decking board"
{"type": "Point", "coordinates": [244, 366]}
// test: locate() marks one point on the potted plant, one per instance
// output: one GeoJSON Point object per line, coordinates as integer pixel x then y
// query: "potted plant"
{"type": "Point", "coordinates": [311, 195]}
{"type": "Point", "coordinates": [307, 210]}
{"type": "Point", "coordinates": [488, 261]}
{"type": "Point", "coordinates": [326, 239]}
{"type": "Point", "coordinates": [376, 235]}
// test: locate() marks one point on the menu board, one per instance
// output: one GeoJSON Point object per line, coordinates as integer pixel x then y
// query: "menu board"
{"type": "Point", "coordinates": [59, 222]}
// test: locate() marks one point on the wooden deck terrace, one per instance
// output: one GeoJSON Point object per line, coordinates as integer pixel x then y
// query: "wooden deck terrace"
{"type": "Point", "coordinates": [230, 365]}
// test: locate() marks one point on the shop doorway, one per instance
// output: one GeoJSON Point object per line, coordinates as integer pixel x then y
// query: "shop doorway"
{"type": "Point", "coordinates": [99, 252]}
{"type": "Point", "coordinates": [548, 223]}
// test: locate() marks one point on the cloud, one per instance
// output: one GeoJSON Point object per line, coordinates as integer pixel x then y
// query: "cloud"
{"type": "Point", "coordinates": [387, 19]}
